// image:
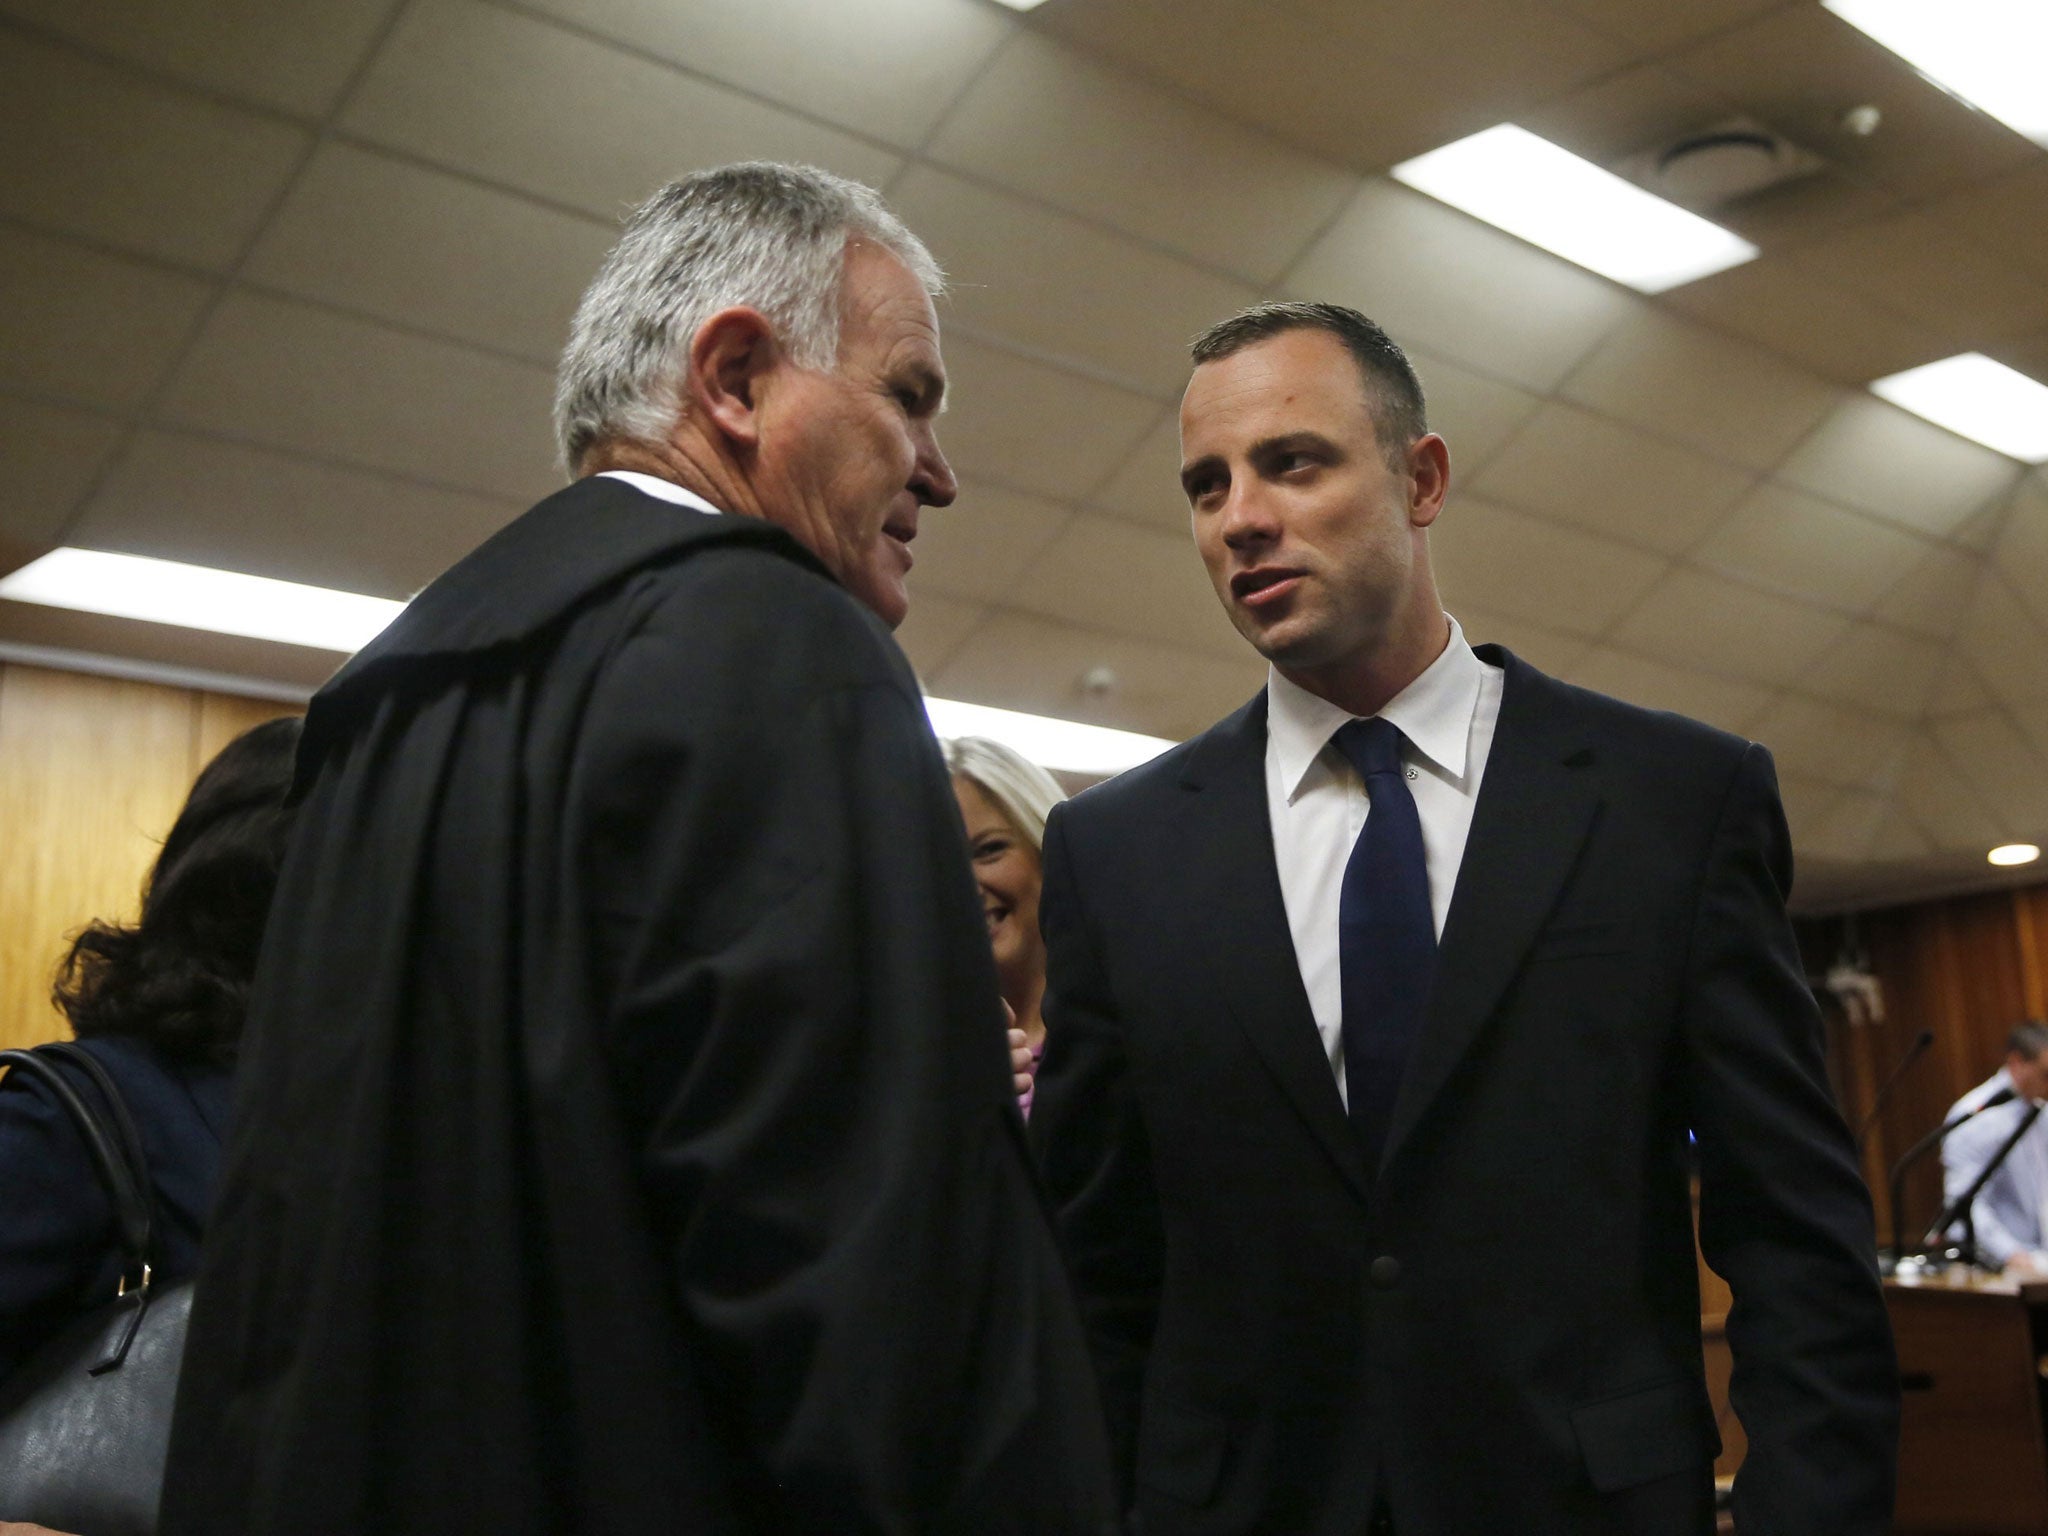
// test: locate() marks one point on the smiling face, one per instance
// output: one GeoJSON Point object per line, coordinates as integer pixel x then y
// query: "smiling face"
{"type": "Point", "coordinates": [851, 455]}
{"type": "Point", "coordinates": [1315, 545]}
{"type": "Point", "coordinates": [1007, 872]}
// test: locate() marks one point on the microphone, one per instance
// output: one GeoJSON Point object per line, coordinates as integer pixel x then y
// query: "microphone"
{"type": "Point", "coordinates": [1921, 1148]}
{"type": "Point", "coordinates": [1914, 1052]}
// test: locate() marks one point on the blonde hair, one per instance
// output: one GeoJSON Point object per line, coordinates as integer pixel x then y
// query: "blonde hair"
{"type": "Point", "coordinates": [1024, 792]}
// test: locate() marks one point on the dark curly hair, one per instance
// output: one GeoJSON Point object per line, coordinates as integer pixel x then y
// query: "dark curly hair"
{"type": "Point", "coordinates": [179, 978]}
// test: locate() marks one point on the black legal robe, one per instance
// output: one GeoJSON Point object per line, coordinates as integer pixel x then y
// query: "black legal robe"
{"type": "Point", "coordinates": [624, 1139]}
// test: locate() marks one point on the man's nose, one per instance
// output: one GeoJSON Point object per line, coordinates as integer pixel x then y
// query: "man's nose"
{"type": "Point", "coordinates": [933, 480]}
{"type": "Point", "coordinates": [1247, 517]}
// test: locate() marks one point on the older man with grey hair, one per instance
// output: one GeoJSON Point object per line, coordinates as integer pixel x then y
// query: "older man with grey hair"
{"type": "Point", "coordinates": [624, 1141]}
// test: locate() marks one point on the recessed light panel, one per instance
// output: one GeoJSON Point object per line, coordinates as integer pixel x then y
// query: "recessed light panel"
{"type": "Point", "coordinates": [2014, 853]}
{"type": "Point", "coordinates": [196, 597]}
{"type": "Point", "coordinates": [1991, 53]}
{"type": "Point", "coordinates": [1574, 209]}
{"type": "Point", "coordinates": [1976, 398]}
{"type": "Point", "coordinates": [1064, 744]}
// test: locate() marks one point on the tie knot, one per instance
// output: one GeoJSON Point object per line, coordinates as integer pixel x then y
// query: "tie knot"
{"type": "Point", "coordinates": [1372, 746]}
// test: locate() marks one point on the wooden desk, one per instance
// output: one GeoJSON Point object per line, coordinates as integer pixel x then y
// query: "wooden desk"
{"type": "Point", "coordinates": [1973, 1457]}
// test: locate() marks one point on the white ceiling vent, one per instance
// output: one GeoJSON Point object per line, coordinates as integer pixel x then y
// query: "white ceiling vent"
{"type": "Point", "coordinates": [1720, 165]}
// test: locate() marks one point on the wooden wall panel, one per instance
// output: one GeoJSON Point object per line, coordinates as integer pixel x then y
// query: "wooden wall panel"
{"type": "Point", "coordinates": [93, 771]}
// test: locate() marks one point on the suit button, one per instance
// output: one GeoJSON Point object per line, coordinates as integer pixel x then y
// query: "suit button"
{"type": "Point", "coordinates": [1385, 1273]}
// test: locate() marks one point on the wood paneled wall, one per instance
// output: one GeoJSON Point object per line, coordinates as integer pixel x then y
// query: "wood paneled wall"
{"type": "Point", "coordinates": [93, 771]}
{"type": "Point", "coordinates": [1968, 969]}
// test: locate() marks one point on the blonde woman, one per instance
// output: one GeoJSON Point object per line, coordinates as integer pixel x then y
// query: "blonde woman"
{"type": "Point", "coordinates": [1004, 800]}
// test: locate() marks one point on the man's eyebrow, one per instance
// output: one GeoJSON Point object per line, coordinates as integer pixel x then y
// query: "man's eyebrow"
{"type": "Point", "coordinates": [931, 385]}
{"type": "Point", "coordinates": [1195, 469]}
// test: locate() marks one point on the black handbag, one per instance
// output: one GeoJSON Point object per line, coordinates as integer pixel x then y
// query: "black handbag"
{"type": "Point", "coordinates": [85, 1421]}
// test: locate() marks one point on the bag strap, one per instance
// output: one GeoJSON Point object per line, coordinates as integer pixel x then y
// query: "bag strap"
{"type": "Point", "coordinates": [116, 1152]}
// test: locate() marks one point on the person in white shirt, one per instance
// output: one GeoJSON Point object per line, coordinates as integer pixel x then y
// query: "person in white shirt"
{"type": "Point", "coordinates": [2010, 1213]}
{"type": "Point", "coordinates": [1377, 1017]}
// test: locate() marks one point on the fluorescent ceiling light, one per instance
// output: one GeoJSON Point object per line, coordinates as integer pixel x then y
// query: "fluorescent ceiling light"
{"type": "Point", "coordinates": [1977, 398]}
{"type": "Point", "coordinates": [2014, 853]}
{"type": "Point", "coordinates": [1992, 53]}
{"type": "Point", "coordinates": [1050, 743]}
{"type": "Point", "coordinates": [1021, 5]}
{"type": "Point", "coordinates": [1572, 208]}
{"type": "Point", "coordinates": [195, 597]}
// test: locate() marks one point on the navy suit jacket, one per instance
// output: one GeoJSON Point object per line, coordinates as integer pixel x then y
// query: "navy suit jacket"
{"type": "Point", "coordinates": [1499, 1331]}
{"type": "Point", "coordinates": [57, 1253]}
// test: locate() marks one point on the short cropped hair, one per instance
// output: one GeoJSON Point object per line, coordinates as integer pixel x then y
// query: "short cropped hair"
{"type": "Point", "coordinates": [1392, 390]}
{"type": "Point", "coordinates": [1024, 792]}
{"type": "Point", "coordinates": [2028, 1039]}
{"type": "Point", "coordinates": [771, 237]}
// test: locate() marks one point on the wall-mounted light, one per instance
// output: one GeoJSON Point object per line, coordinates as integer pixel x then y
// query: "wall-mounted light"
{"type": "Point", "coordinates": [2014, 853]}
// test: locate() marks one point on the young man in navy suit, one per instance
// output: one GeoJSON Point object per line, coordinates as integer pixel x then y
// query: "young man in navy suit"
{"type": "Point", "coordinates": [1378, 1016]}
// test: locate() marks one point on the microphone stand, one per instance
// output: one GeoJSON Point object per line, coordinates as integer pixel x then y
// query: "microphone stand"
{"type": "Point", "coordinates": [1913, 1154]}
{"type": "Point", "coordinates": [1964, 1206]}
{"type": "Point", "coordinates": [1883, 1095]}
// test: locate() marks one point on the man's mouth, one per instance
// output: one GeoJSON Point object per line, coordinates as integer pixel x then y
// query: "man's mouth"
{"type": "Point", "coordinates": [994, 916]}
{"type": "Point", "coordinates": [900, 534]}
{"type": "Point", "coordinates": [1263, 585]}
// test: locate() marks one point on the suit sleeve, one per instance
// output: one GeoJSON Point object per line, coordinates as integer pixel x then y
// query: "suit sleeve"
{"type": "Point", "coordinates": [808, 1038]}
{"type": "Point", "coordinates": [1094, 1155]}
{"type": "Point", "coordinates": [1784, 1215]}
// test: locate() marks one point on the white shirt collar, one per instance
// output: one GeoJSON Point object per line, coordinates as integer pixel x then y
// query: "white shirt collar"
{"type": "Point", "coordinates": [1434, 712]}
{"type": "Point", "coordinates": [667, 490]}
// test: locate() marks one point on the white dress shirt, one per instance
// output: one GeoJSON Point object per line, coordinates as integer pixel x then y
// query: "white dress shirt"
{"type": "Point", "coordinates": [1317, 804]}
{"type": "Point", "coordinates": [667, 490]}
{"type": "Point", "coordinates": [2011, 1210]}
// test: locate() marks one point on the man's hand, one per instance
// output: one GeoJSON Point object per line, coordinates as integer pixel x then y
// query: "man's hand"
{"type": "Point", "coordinates": [1020, 1071]}
{"type": "Point", "coordinates": [2024, 1265]}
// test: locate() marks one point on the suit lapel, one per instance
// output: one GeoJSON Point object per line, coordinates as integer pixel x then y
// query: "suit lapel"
{"type": "Point", "coordinates": [1537, 802]}
{"type": "Point", "coordinates": [1238, 924]}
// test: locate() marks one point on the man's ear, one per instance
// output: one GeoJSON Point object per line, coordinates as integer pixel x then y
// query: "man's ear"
{"type": "Point", "coordinates": [1429, 478]}
{"type": "Point", "coordinates": [730, 355]}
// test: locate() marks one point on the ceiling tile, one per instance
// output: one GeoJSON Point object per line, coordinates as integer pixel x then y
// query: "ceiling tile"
{"type": "Point", "coordinates": [97, 329]}
{"type": "Point", "coordinates": [524, 103]}
{"type": "Point", "coordinates": [94, 149]}
{"type": "Point", "coordinates": [1105, 574]}
{"type": "Point", "coordinates": [2021, 553]}
{"type": "Point", "coordinates": [1053, 123]}
{"type": "Point", "coordinates": [1660, 27]}
{"type": "Point", "coordinates": [1032, 427]}
{"type": "Point", "coordinates": [435, 252]}
{"type": "Point", "coordinates": [274, 372]}
{"type": "Point", "coordinates": [2004, 644]}
{"type": "Point", "coordinates": [1543, 648]}
{"type": "Point", "coordinates": [1064, 289]}
{"type": "Point", "coordinates": [1948, 807]}
{"type": "Point", "coordinates": [1878, 669]}
{"type": "Point", "coordinates": [884, 67]}
{"type": "Point", "coordinates": [52, 457]}
{"type": "Point", "coordinates": [2004, 215]}
{"type": "Point", "coordinates": [1957, 690]}
{"type": "Point", "coordinates": [1721, 701]}
{"type": "Point", "coordinates": [934, 629]}
{"type": "Point", "coordinates": [981, 545]}
{"type": "Point", "coordinates": [1629, 112]}
{"type": "Point", "coordinates": [1474, 414]}
{"type": "Point", "coordinates": [1808, 803]}
{"type": "Point", "coordinates": [1585, 469]}
{"type": "Point", "coordinates": [1877, 457]}
{"type": "Point", "coordinates": [1798, 67]}
{"type": "Point", "coordinates": [1146, 487]}
{"type": "Point", "coordinates": [294, 57]}
{"type": "Point", "coordinates": [1018, 661]}
{"type": "Point", "coordinates": [1693, 619]}
{"type": "Point", "coordinates": [1842, 746]}
{"type": "Point", "coordinates": [1916, 264]}
{"type": "Point", "coordinates": [1933, 596]}
{"type": "Point", "coordinates": [1989, 752]}
{"type": "Point", "coordinates": [177, 497]}
{"type": "Point", "coordinates": [1820, 325]}
{"type": "Point", "coordinates": [1852, 827]}
{"type": "Point", "coordinates": [1520, 567]}
{"type": "Point", "coordinates": [1803, 547]}
{"type": "Point", "coordinates": [1450, 286]}
{"type": "Point", "coordinates": [1681, 381]}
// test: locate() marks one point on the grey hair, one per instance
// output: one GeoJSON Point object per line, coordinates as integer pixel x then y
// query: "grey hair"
{"type": "Point", "coordinates": [771, 237]}
{"type": "Point", "coordinates": [1024, 792]}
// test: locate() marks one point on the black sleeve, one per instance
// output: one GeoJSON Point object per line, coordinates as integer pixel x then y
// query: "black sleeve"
{"type": "Point", "coordinates": [808, 1035]}
{"type": "Point", "coordinates": [56, 1226]}
{"type": "Point", "coordinates": [1094, 1156]}
{"type": "Point", "coordinates": [1784, 1215]}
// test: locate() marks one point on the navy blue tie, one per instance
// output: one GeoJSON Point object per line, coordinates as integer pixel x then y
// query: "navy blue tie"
{"type": "Point", "coordinates": [1386, 936]}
